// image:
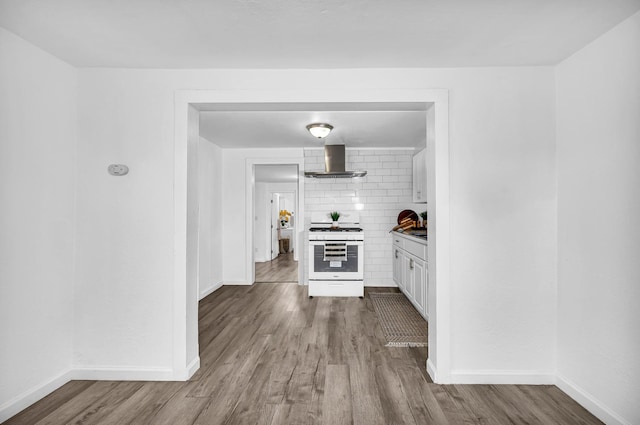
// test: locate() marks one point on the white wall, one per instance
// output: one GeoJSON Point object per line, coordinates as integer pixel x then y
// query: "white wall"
{"type": "Point", "coordinates": [288, 202]}
{"type": "Point", "coordinates": [503, 207]}
{"type": "Point", "coordinates": [503, 224]}
{"type": "Point", "coordinates": [210, 238]}
{"type": "Point", "coordinates": [598, 136]}
{"type": "Point", "coordinates": [378, 197]}
{"type": "Point", "coordinates": [124, 270]}
{"type": "Point", "coordinates": [37, 184]}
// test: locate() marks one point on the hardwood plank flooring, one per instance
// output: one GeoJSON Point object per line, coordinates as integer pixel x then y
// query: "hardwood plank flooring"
{"type": "Point", "coordinates": [270, 355]}
{"type": "Point", "coordinates": [282, 269]}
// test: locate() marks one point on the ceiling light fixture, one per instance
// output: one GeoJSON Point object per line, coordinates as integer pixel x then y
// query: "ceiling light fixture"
{"type": "Point", "coordinates": [319, 129]}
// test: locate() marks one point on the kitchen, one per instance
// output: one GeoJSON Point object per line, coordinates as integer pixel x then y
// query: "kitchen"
{"type": "Point", "coordinates": [385, 140]}
{"type": "Point", "coordinates": [380, 138]}
{"type": "Point", "coordinates": [382, 142]}
{"type": "Point", "coordinates": [376, 199]}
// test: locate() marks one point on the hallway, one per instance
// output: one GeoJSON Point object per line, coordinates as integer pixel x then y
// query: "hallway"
{"type": "Point", "coordinates": [282, 269]}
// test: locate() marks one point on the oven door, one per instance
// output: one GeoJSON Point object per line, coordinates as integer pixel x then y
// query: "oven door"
{"type": "Point", "coordinates": [336, 260]}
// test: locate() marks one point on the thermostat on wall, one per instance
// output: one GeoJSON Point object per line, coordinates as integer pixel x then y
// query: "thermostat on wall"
{"type": "Point", "coordinates": [118, 169]}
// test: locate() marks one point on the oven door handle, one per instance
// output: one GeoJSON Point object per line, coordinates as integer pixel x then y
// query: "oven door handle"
{"type": "Point", "coordinates": [348, 243]}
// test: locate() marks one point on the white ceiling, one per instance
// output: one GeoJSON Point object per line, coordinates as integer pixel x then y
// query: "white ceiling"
{"type": "Point", "coordinates": [311, 33]}
{"type": "Point", "coordinates": [355, 125]}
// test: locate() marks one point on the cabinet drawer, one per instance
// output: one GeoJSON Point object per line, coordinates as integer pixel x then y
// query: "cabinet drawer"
{"type": "Point", "coordinates": [398, 241]}
{"type": "Point", "coordinates": [415, 248]}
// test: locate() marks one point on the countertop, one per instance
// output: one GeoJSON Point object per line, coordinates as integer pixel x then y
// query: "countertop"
{"type": "Point", "coordinates": [419, 235]}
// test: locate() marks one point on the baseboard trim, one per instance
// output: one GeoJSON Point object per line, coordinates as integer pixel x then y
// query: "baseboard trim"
{"type": "Point", "coordinates": [210, 290]}
{"type": "Point", "coordinates": [513, 377]}
{"type": "Point", "coordinates": [431, 370]}
{"type": "Point", "coordinates": [117, 373]}
{"type": "Point", "coordinates": [32, 395]}
{"type": "Point", "coordinates": [238, 283]}
{"type": "Point", "coordinates": [191, 368]}
{"type": "Point", "coordinates": [589, 402]}
{"type": "Point", "coordinates": [102, 373]}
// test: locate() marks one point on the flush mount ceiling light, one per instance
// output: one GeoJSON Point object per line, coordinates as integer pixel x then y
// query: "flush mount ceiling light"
{"type": "Point", "coordinates": [319, 129]}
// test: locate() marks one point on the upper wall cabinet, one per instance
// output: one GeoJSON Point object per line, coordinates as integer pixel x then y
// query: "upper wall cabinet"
{"type": "Point", "coordinates": [420, 176]}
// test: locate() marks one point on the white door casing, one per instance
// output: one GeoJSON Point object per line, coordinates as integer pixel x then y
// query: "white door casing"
{"type": "Point", "coordinates": [436, 102]}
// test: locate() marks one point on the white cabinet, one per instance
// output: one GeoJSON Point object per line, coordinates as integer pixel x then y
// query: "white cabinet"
{"type": "Point", "coordinates": [418, 271]}
{"type": "Point", "coordinates": [409, 280]}
{"type": "Point", "coordinates": [398, 268]}
{"type": "Point", "coordinates": [420, 176]}
{"type": "Point", "coordinates": [410, 270]}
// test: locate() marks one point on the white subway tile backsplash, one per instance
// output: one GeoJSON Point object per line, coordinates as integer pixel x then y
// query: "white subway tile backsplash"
{"type": "Point", "coordinates": [363, 152]}
{"type": "Point", "coordinates": [371, 165]}
{"type": "Point", "coordinates": [379, 197]}
{"type": "Point", "coordinates": [401, 171]}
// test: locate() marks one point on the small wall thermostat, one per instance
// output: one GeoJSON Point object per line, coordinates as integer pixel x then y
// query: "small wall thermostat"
{"type": "Point", "coordinates": [118, 169]}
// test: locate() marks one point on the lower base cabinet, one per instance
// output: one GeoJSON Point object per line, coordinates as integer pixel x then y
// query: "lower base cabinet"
{"type": "Point", "coordinates": [410, 271]}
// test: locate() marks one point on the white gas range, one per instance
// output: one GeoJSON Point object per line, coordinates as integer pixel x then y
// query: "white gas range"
{"type": "Point", "coordinates": [336, 257]}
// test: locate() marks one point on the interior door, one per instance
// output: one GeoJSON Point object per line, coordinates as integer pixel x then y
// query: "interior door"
{"type": "Point", "coordinates": [275, 215]}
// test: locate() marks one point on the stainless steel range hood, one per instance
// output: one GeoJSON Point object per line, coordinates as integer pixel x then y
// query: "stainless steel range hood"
{"type": "Point", "coordinates": [334, 163]}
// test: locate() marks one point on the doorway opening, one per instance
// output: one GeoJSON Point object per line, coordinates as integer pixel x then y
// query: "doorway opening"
{"type": "Point", "coordinates": [188, 103]}
{"type": "Point", "coordinates": [275, 223]}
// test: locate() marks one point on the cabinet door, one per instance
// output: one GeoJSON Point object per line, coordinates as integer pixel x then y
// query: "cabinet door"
{"type": "Point", "coordinates": [398, 275]}
{"type": "Point", "coordinates": [409, 278]}
{"type": "Point", "coordinates": [419, 285]}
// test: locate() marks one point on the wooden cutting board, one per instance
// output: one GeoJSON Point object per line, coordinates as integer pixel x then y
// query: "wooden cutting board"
{"type": "Point", "coordinates": [407, 214]}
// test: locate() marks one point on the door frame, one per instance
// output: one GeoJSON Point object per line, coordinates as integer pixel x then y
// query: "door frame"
{"type": "Point", "coordinates": [273, 226]}
{"type": "Point", "coordinates": [185, 299]}
{"type": "Point", "coordinates": [250, 203]}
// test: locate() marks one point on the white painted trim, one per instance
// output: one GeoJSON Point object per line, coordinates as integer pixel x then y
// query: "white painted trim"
{"type": "Point", "coordinates": [191, 369]}
{"type": "Point", "coordinates": [237, 283]}
{"type": "Point", "coordinates": [213, 288]}
{"type": "Point", "coordinates": [513, 377]}
{"type": "Point", "coordinates": [250, 194]}
{"type": "Point", "coordinates": [100, 373]}
{"type": "Point", "coordinates": [179, 304]}
{"type": "Point", "coordinates": [589, 402]}
{"type": "Point", "coordinates": [299, 228]}
{"type": "Point", "coordinates": [431, 370]}
{"type": "Point", "coordinates": [440, 242]}
{"type": "Point", "coordinates": [441, 343]}
{"type": "Point", "coordinates": [119, 373]}
{"type": "Point", "coordinates": [250, 201]}
{"type": "Point", "coordinates": [33, 394]}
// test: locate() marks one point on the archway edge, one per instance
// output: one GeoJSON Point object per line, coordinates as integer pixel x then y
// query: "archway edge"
{"type": "Point", "coordinates": [185, 305]}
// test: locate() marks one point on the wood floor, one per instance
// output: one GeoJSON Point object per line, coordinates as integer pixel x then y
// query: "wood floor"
{"type": "Point", "coordinates": [271, 355]}
{"type": "Point", "coordinates": [282, 269]}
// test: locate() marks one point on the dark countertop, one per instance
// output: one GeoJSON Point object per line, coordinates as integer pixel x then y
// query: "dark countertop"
{"type": "Point", "coordinates": [419, 234]}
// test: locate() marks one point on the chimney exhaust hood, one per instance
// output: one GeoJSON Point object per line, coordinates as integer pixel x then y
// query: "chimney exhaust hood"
{"type": "Point", "coordinates": [334, 161]}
